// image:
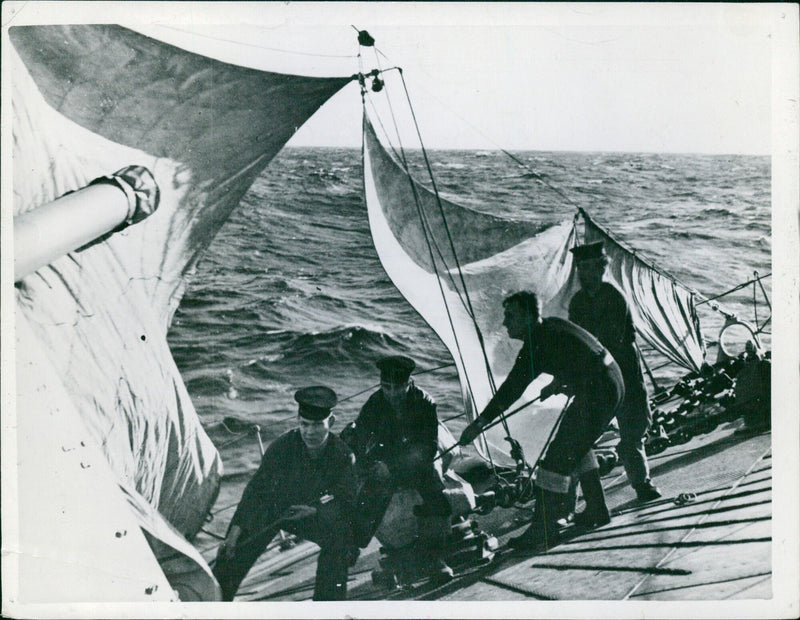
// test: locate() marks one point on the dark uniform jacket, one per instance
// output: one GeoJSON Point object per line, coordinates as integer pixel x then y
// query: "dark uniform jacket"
{"type": "Point", "coordinates": [379, 434]}
{"type": "Point", "coordinates": [569, 353]}
{"type": "Point", "coordinates": [288, 476]}
{"type": "Point", "coordinates": [607, 316]}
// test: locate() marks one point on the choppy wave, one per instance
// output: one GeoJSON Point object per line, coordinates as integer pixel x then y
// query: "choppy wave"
{"type": "Point", "coordinates": [352, 340]}
{"type": "Point", "coordinates": [715, 212]}
{"type": "Point", "coordinates": [291, 291]}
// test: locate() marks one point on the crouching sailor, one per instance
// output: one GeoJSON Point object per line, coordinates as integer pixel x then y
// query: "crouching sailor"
{"type": "Point", "coordinates": [395, 439]}
{"type": "Point", "coordinates": [306, 484]}
{"type": "Point", "coordinates": [582, 368]}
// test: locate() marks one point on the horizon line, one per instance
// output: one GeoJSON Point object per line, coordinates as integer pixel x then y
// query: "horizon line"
{"type": "Point", "coordinates": [538, 150]}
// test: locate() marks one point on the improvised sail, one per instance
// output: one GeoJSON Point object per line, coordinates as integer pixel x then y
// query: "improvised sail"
{"type": "Point", "coordinates": [88, 100]}
{"type": "Point", "coordinates": [418, 237]}
{"type": "Point", "coordinates": [663, 309]}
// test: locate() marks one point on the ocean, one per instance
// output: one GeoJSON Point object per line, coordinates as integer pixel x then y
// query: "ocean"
{"type": "Point", "coordinates": [291, 291]}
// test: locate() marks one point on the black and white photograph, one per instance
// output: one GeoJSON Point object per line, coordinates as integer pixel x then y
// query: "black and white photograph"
{"type": "Point", "coordinates": [387, 310]}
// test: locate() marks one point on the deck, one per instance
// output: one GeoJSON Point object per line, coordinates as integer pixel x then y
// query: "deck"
{"type": "Point", "coordinates": [708, 538]}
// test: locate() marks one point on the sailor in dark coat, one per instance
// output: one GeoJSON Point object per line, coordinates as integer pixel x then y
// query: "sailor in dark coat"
{"type": "Point", "coordinates": [395, 439]}
{"type": "Point", "coordinates": [600, 308]}
{"type": "Point", "coordinates": [582, 368]}
{"type": "Point", "coordinates": [306, 484]}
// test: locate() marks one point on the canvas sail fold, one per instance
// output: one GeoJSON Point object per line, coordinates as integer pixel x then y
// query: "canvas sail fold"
{"type": "Point", "coordinates": [89, 100]}
{"type": "Point", "coordinates": [77, 538]}
{"type": "Point", "coordinates": [462, 301]}
{"type": "Point", "coordinates": [497, 256]}
{"type": "Point", "coordinates": [663, 309]}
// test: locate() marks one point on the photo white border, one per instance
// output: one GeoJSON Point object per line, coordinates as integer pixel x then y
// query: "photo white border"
{"type": "Point", "coordinates": [786, 269]}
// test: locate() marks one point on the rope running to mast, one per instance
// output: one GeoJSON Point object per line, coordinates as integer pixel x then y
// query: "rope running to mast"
{"type": "Point", "coordinates": [426, 230]}
{"type": "Point", "coordinates": [426, 227]}
{"type": "Point", "coordinates": [471, 311]}
{"type": "Point", "coordinates": [428, 235]}
{"type": "Point", "coordinates": [366, 40]}
{"type": "Point", "coordinates": [400, 155]}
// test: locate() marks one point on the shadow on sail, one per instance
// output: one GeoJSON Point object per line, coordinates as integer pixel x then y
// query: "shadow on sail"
{"type": "Point", "coordinates": [91, 99]}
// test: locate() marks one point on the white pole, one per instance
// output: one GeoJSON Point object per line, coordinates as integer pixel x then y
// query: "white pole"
{"type": "Point", "coordinates": [48, 232]}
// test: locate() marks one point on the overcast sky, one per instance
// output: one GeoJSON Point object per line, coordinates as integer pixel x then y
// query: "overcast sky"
{"type": "Point", "coordinates": [597, 77]}
{"type": "Point", "coordinates": [650, 87]}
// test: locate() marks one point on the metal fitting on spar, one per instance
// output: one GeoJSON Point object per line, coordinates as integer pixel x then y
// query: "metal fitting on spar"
{"type": "Point", "coordinates": [81, 217]}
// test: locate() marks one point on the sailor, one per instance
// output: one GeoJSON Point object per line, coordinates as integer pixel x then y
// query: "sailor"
{"type": "Point", "coordinates": [600, 308]}
{"type": "Point", "coordinates": [582, 368]}
{"type": "Point", "coordinates": [306, 484]}
{"type": "Point", "coordinates": [395, 439]}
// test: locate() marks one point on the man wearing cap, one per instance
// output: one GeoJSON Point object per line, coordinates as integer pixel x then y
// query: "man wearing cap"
{"type": "Point", "coordinates": [582, 368]}
{"type": "Point", "coordinates": [600, 308]}
{"type": "Point", "coordinates": [395, 439]}
{"type": "Point", "coordinates": [306, 484]}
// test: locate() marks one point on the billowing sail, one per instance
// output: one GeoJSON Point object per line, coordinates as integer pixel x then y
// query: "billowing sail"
{"type": "Point", "coordinates": [418, 237]}
{"type": "Point", "coordinates": [91, 99]}
{"type": "Point", "coordinates": [663, 309]}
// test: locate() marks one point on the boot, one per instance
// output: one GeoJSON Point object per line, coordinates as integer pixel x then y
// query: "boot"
{"type": "Point", "coordinates": [646, 491]}
{"type": "Point", "coordinates": [543, 531]}
{"type": "Point", "coordinates": [434, 531]}
{"type": "Point", "coordinates": [596, 512]}
{"type": "Point", "coordinates": [331, 577]}
{"type": "Point", "coordinates": [568, 504]}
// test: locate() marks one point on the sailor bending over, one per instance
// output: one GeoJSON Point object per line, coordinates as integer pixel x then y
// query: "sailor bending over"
{"type": "Point", "coordinates": [306, 484]}
{"type": "Point", "coordinates": [600, 308]}
{"type": "Point", "coordinates": [395, 439]}
{"type": "Point", "coordinates": [582, 368]}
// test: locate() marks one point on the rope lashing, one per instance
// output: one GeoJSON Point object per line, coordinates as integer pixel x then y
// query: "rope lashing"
{"type": "Point", "coordinates": [738, 287]}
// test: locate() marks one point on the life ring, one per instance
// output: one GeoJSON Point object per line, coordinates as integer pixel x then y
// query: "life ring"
{"type": "Point", "coordinates": [725, 352]}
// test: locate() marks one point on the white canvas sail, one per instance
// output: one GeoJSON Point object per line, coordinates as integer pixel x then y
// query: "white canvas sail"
{"type": "Point", "coordinates": [497, 257]}
{"type": "Point", "coordinates": [88, 100]}
{"type": "Point", "coordinates": [77, 539]}
{"type": "Point", "coordinates": [663, 309]}
{"type": "Point", "coordinates": [462, 301]}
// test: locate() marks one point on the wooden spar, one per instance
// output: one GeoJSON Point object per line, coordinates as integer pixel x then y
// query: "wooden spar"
{"type": "Point", "coordinates": [75, 219]}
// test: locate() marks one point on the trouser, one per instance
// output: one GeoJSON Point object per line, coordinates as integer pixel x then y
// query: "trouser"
{"type": "Point", "coordinates": [376, 494]}
{"type": "Point", "coordinates": [583, 422]}
{"type": "Point", "coordinates": [634, 419]}
{"type": "Point", "coordinates": [334, 537]}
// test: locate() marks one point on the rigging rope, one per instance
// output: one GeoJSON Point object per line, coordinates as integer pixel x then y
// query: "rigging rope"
{"type": "Point", "coordinates": [514, 158]}
{"type": "Point", "coordinates": [430, 243]}
{"type": "Point", "coordinates": [734, 289]}
{"type": "Point", "coordinates": [401, 156]}
{"type": "Point", "coordinates": [196, 34]}
{"type": "Point", "coordinates": [470, 311]}
{"type": "Point", "coordinates": [764, 292]}
{"type": "Point", "coordinates": [423, 217]}
{"type": "Point", "coordinates": [377, 385]}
